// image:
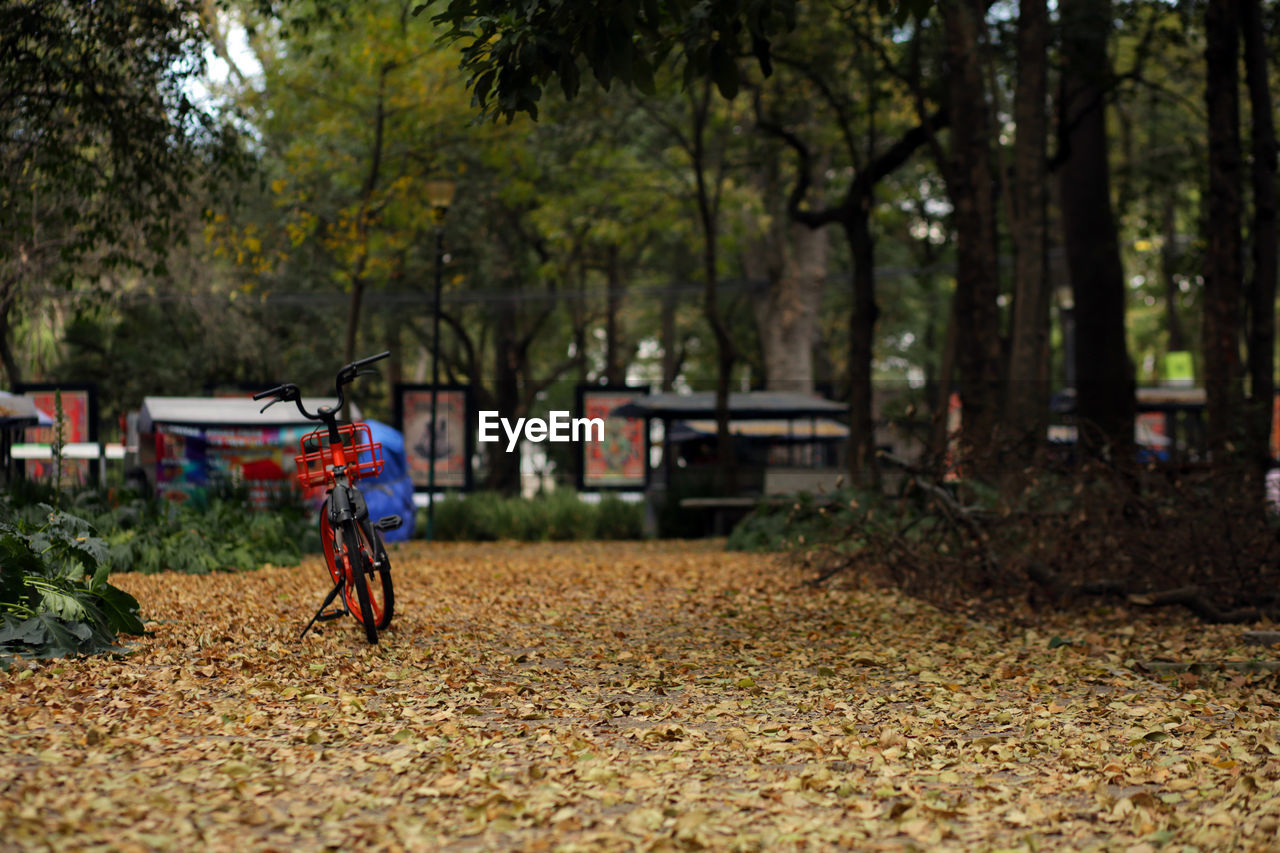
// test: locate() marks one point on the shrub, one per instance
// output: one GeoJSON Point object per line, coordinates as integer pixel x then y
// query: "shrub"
{"type": "Point", "coordinates": [565, 517]}
{"type": "Point", "coordinates": [560, 516]}
{"type": "Point", "coordinates": [806, 521]}
{"type": "Point", "coordinates": [54, 596]}
{"type": "Point", "coordinates": [227, 533]}
{"type": "Point", "coordinates": [618, 519]}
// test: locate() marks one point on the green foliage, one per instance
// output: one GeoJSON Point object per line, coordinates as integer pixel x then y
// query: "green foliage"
{"type": "Point", "coordinates": [103, 143]}
{"type": "Point", "coordinates": [559, 517]}
{"type": "Point", "coordinates": [806, 521]}
{"type": "Point", "coordinates": [225, 534]}
{"type": "Point", "coordinates": [54, 596]}
{"type": "Point", "coordinates": [512, 58]}
{"type": "Point", "coordinates": [619, 519]}
{"type": "Point", "coordinates": [102, 132]}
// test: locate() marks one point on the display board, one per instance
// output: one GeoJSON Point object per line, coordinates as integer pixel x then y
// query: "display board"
{"type": "Point", "coordinates": [453, 432]}
{"type": "Point", "coordinates": [80, 424]}
{"type": "Point", "coordinates": [621, 460]}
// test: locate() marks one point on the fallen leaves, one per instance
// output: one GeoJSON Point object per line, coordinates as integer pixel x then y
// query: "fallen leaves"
{"type": "Point", "coordinates": [598, 697]}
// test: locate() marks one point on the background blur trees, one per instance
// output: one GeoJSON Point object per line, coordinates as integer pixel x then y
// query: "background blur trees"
{"type": "Point", "coordinates": [1027, 197]}
{"type": "Point", "coordinates": [102, 140]}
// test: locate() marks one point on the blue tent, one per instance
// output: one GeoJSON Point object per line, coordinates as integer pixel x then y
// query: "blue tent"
{"type": "Point", "coordinates": [391, 492]}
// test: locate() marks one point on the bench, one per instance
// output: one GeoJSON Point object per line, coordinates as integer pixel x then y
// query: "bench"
{"type": "Point", "coordinates": [778, 483]}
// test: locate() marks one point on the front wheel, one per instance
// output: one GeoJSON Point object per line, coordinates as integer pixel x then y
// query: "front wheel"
{"type": "Point", "coordinates": [357, 565]}
{"type": "Point", "coordinates": [370, 563]}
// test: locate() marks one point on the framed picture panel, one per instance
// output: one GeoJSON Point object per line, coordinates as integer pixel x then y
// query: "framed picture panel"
{"type": "Point", "coordinates": [453, 431]}
{"type": "Point", "coordinates": [80, 413]}
{"type": "Point", "coordinates": [621, 461]}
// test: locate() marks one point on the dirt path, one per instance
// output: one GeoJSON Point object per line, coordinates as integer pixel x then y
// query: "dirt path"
{"type": "Point", "coordinates": [597, 697]}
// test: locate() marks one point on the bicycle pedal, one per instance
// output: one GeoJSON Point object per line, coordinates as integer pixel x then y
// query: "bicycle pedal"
{"type": "Point", "coordinates": [389, 522]}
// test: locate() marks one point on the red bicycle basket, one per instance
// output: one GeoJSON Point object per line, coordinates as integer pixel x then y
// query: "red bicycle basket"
{"type": "Point", "coordinates": [315, 465]}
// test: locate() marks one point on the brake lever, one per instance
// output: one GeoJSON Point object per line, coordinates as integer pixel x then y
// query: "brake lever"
{"type": "Point", "coordinates": [369, 372]}
{"type": "Point", "coordinates": [269, 405]}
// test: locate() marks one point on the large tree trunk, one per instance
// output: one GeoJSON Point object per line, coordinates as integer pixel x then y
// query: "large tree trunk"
{"type": "Point", "coordinates": [970, 183]}
{"type": "Point", "coordinates": [863, 469]}
{"type": "Point", "coordinates": [1027, 401]}
{"type": "Point", "coordinates": [1104, 374]}
{"type": "Point", "coordinates": [10, 362]}
{"type": "Point", "coordinates": [1262, 287]}
{"type": "Point", "coordinates": [1223, 270]}
{"type": "Point", "coordinates": [793, 259]}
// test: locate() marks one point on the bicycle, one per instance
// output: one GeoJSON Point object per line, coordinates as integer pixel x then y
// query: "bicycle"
{"type": "Point", "coordinates": [336, 455]}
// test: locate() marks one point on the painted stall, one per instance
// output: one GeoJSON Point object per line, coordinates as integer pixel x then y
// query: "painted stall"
{"type": "Point", "coordinates": [187, 444]}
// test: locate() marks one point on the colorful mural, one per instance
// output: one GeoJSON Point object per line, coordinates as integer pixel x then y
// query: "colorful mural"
{"type": "Point", "coordinates": [621, 461]}
{"type": "Point", "coordinates": [189, 459]}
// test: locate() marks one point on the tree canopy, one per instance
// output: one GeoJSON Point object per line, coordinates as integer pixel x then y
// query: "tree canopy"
{"type": "Point", "coordinates": [102, 138]}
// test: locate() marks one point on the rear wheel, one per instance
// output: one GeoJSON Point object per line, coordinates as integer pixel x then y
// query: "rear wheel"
{"type": "Point", "coordinates": [380, 588]}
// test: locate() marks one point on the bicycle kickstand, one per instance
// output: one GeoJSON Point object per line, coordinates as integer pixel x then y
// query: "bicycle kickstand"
{"type": "Point", "coordinates": [321, 616]}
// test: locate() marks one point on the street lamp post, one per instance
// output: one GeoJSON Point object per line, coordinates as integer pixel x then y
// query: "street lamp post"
{"type": "Point", "coordinates": [440, 196]}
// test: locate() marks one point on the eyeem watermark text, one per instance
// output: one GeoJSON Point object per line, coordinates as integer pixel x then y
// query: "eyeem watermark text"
{"type": "Point", "coordinates": [558, 427]}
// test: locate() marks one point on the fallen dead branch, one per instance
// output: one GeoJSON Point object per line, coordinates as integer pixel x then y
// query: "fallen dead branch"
{"type": "Point", "coordinates": [1154, 537]}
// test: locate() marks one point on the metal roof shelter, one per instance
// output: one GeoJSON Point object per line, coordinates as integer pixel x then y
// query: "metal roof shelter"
{"type": "Point", "coordinates": [773, 417]}
{"type": "Point", "coordinates": [16, 412]}
{"type": "Point", "coordinates": [225, 411]}
{"type": "Point", "coordinates": [774, 429]}
{"type": "Point", "coordinates": [743, 405]}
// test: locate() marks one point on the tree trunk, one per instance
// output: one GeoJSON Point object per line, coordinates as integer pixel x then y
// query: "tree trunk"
{"type": "Point", "coordinates": [1104, 374]}
{"type": "Point", "coordinates": [970, 183]}
{"type": "Point", "coordinates": [787, 315]}
{"type": "Point", "coordinates": [1170, 254]}
{"type": "Point", "coordinates": [708, 199]}
{"type": "Point", "coordinates": [670, 358]}
{"type": "Point", "coordinates": [614, 369]}
{"type": "Point", "coordinates": [939, 437]}
{"type": "Point", "coordinates": [362, 224]}
{"type": "Point", "coordinates": [863, 469]}
{"type": "Point", "coordinates": [504, 467]}
{"type": "Point", "coordinates": [1027, 402]}
{"type": "Point", "coordinates": [7, 358]}
{"type": "Point", "coordinates": [1223, 270]}
{"type": "Point", "coordinates": [1262, 287]}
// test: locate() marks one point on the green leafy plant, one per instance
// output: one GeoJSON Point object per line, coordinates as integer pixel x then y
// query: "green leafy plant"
{"type": "Point", "coordinates": [152, 536]}
{"type": "Point", "coordinates": [224, 533]}
{"type": "Point", "coordinates": [805, 521]}
{"type": "Point", "coordinates": [561, 516]}
{"type": "Point", "coordinates": [619, 519]}
{"type": "Point", "coordinates": [54, 596]}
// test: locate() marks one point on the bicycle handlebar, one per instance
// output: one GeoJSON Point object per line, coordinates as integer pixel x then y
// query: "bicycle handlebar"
{"type": "Point", "coordinates": [370, 360]}
{"type": "Point", "coordinates": [346, 374]}
{"type": "Point", "coordinates": [262, 395]}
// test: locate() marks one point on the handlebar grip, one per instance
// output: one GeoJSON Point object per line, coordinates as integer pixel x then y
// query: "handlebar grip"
{"type": "Point", "coordinates": [264, 394]}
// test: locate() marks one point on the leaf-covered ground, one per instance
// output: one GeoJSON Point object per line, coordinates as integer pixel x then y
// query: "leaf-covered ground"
{"type": "Point", "coordinates": [622, 696]}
